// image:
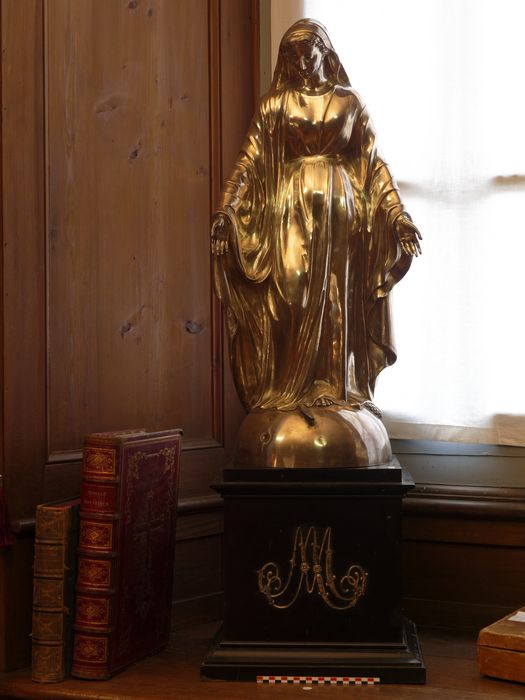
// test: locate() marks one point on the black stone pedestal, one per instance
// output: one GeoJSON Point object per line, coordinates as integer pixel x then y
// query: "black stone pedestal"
{"type": "Point", "coordinates": [312, 576]}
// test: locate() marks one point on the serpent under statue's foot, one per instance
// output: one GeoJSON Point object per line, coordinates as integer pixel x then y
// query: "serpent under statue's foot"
{"type": "Point", "coordinates": [318, 436]}
{"type": "Point", "coordinates": [370, 405]}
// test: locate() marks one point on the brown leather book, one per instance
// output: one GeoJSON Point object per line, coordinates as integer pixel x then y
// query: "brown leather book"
{"type": "Point", "coordinates": [501, 648]}
{"type": "Point", "coordinates": [126, 549]}
{"type": "Point", "coordinates": [53, 590]}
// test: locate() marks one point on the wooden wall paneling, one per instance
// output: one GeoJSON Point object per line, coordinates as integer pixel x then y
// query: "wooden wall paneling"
{"type": "Point", "coordinates": [198, 565]}
{"type": "Point", "coordinates": [238, 92]}
{"type": "Point", "coordinates": [62, 481]}
{"type": "Point", "coordinates": [195, 579]}
{"type": "Point", "coordinates": [23, 308]}
{"type": "Point", "coordinates": [466, 573]}
{"type": "Point", "coordinates": [435, 462]}
{"type": "Point", "coordinates": [117, 125]}
{"type": "Point", "coordinates": [130, 291]}
{"type": "Point", "coordinates": [129, 280]}
{"type": "Point", "coordinates": [199, 517]}
{"type": "Point", "coordinates": [230, 95]}
{"type": "Point", "coordinates": [195, 610]}
{"type": "Point", "coordinates": [23, 253]}
{"type": "Point", "coordinates": [106, 256]}
{"type": "Point", "coordinates": [462, 586]}
{"type": "Point", "coordinates": [198, 580]}
{"type": "Point", "coordinates": [198, 583]}
{"type": "Point", "coordinates": [232, 98]}
{"type": "Point", "coordinates": [452, 615]}
{"type": "Point", "coordinates": [481, 531]}
{"type": "Point", "coordinates": [464, 552]}
{"type": "Point", "coordinates": [215, 156]}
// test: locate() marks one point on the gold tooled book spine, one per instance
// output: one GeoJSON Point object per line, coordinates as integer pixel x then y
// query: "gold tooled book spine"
{"type": "Point", "coordinates": [97, 551]}
{"type": "Point", "coordinates": [53, 529]}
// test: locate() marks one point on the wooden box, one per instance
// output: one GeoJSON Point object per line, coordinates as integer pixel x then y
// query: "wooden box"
{"type": "Point", "coordinates": [501, 648]}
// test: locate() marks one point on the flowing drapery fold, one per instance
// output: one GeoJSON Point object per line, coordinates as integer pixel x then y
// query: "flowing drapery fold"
{"type": "Point", "coordinates": [313, 253]}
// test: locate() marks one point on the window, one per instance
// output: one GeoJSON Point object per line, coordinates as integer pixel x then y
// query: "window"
{"type": "Point", "coordinates": [442, 80]}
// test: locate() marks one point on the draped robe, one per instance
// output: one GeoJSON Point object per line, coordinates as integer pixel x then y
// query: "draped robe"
{"type": "Point", "coordinates": [312, 253]}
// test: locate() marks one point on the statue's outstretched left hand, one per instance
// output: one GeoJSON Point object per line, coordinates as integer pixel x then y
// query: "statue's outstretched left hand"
{"type": "Point", "coordinates": [220, 231]}
{"type": "Point", "coordinates": [408, 236]}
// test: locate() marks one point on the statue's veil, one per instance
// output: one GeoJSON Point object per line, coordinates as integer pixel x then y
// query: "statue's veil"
{"type": "Point", "coordinates": [304, 29]}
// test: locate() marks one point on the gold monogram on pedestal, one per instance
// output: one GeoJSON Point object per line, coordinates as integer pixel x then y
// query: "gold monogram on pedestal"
{"type": "Point", "coordinates": [311, 571]}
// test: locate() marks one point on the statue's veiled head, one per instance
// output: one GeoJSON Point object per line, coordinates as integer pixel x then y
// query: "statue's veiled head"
{"type": "Point", "coordinates": [306, 52]}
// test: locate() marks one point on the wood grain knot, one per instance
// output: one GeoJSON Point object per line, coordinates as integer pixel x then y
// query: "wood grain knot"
{"type": "Point", "coordinates": [193, 327]}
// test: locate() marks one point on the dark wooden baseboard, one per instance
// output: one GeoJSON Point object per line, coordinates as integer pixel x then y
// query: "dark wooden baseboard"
{"type": "Point", "coordinates": [452, 615]}
{"type": "Point", "coordinates": [466, 501]}
{"type": "Point", "coordinates": [464, 550]}
{"type": "Point", "coordinates": [201, 609]}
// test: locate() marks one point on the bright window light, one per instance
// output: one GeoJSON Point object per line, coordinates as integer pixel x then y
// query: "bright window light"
{"type": "Point", "coordinates": [443, 82]}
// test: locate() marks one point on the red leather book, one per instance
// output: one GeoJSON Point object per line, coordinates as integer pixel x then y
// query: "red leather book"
{"type": "Point", "coordinates": [126, 548]}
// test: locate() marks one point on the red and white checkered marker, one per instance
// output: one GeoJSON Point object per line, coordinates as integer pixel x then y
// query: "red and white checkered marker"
{"type": "Point", "coordinates": [319, 680]}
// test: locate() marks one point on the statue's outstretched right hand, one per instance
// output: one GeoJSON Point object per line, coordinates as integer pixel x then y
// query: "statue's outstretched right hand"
{"type": "Point", "coordinates": [220, 233]}
{"type": "Point", "coordinates": [408, 236]}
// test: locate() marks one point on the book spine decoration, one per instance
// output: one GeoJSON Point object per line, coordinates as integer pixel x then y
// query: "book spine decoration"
{"type": "Point", "coordinates": [97, 559]}
{"type": "Point", "coordinates": [53, 592]}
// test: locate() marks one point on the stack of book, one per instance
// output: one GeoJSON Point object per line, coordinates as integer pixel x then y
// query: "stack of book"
{"type": "Point", "coordinates": [118, 543]}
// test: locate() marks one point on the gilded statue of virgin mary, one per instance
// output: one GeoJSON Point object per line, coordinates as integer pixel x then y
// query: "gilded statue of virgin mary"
{"type": "Point", "coordinates": [308, 241]}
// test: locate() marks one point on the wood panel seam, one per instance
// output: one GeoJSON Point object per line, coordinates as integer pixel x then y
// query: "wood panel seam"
{"type": "Point", "coordinates": [217, 340]}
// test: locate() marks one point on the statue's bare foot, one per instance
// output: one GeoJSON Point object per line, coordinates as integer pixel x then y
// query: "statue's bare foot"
{"type": "Point", "coordinates": [324, 401]}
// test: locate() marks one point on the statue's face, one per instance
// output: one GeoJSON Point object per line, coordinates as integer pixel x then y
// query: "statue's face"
{"type": "Point", "coordinates": [306, 59]}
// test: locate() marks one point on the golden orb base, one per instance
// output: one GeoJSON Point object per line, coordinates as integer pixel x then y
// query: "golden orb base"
{"type": "Point", "coordinates": [316, 437]}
